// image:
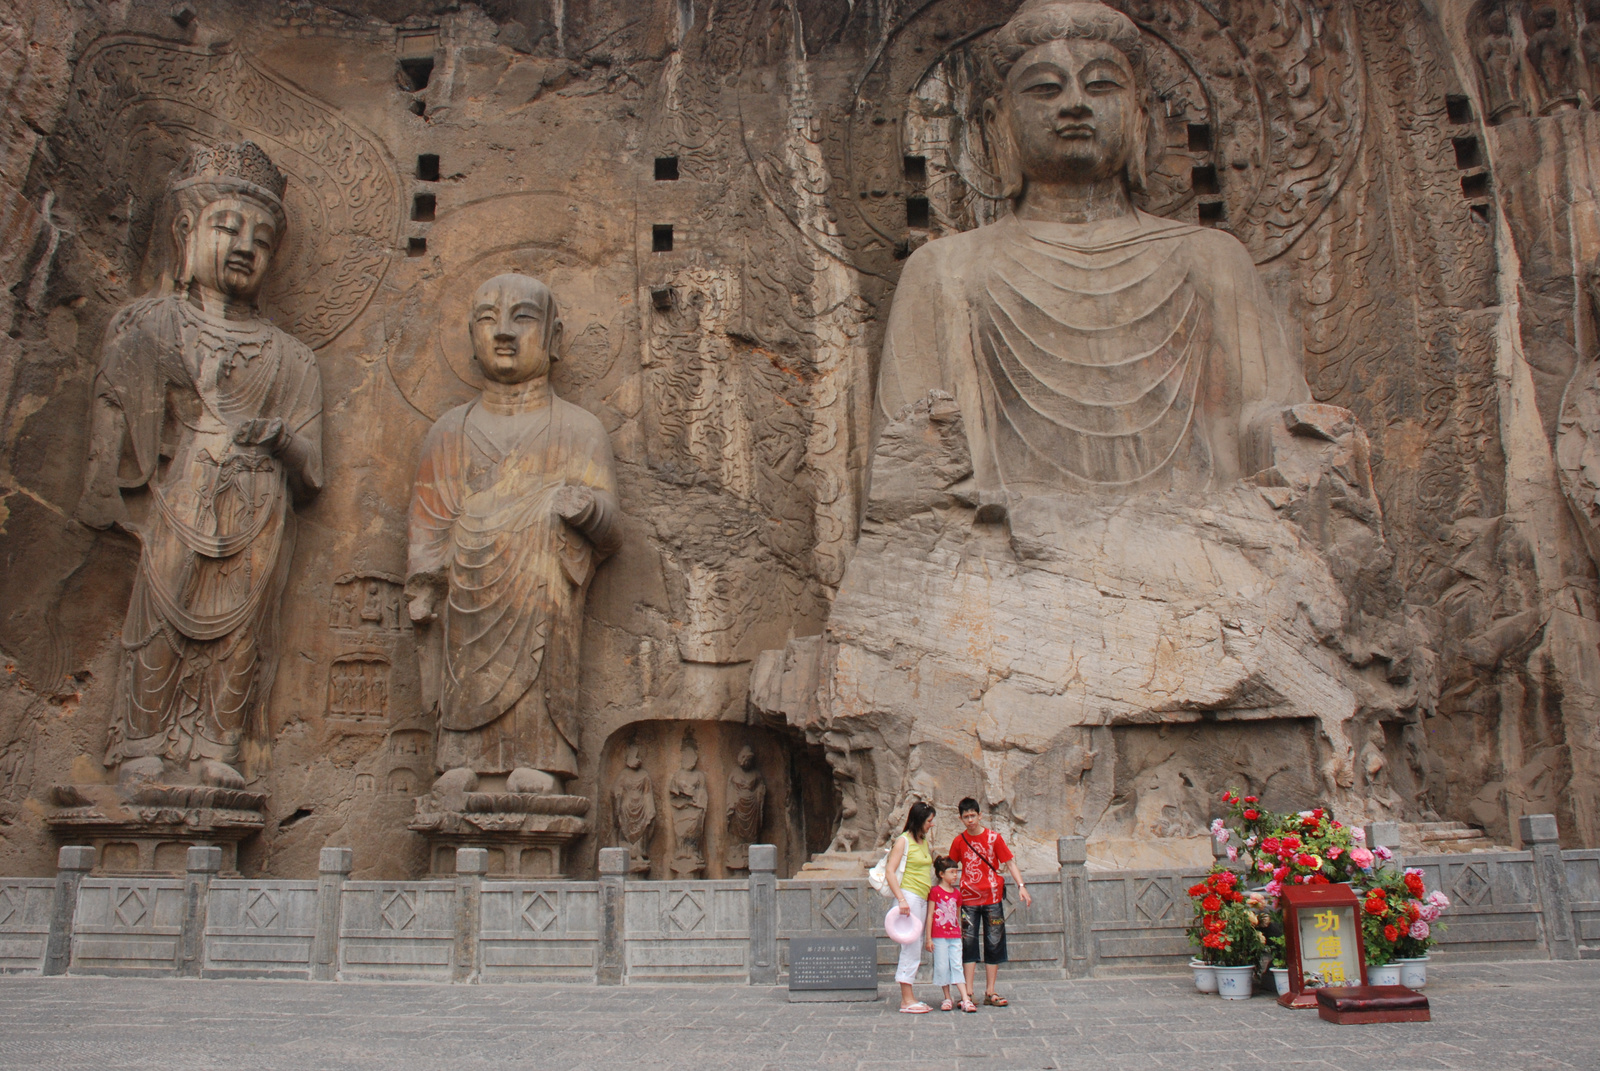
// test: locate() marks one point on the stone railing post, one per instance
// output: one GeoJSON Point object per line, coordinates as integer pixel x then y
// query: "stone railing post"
{"type": "Point", "coordinates": [1541, 837]}
{"type": "Point", "coordinates": [611, 963]}
{"type": "Point", "coordinates": [72, 864]}
{"type": "Point", "coordinates": [471, 865]}
{"type": "Point", "coordinates": [1077, 938]}
{"type": "Point", "coordinates": [1386, 834]}
{"type": "Point", "coordinates": [333, 869]}
{"type": "Point", "coordinates": [763, 914]}
{"type": "Point", "coordinates": [202, 865]}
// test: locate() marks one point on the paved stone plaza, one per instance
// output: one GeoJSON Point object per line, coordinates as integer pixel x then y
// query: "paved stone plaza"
{"type": "Point", "coordinates": [1522, 1016]}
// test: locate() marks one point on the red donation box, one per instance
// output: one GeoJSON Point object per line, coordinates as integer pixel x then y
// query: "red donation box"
{"type": "Point", "coordinates": [1322, 941]}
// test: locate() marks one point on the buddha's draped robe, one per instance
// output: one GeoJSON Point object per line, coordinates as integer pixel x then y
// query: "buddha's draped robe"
{"type": "Point", "coordinates": [201, 634]}
{"type": "Point", "coordinates": [483, 518]}
{"type": "Point", "coordinates": [1130, 355]}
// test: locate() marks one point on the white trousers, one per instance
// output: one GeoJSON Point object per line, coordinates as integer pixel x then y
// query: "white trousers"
{"type": "Point", "coordinates": [911, 955]}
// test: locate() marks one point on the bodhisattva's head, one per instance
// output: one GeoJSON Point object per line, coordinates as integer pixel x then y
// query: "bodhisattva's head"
{"type": "Point", "coordinates": [227, 222]}
{"type": "Point", "coordinates": [632, 759]}
{"type": "Point", "coordinates": [1072, 109]}
{"type": "Point", "coordinates": [516, 330]}
{"type": "Point", "coordinates": [747, 757]}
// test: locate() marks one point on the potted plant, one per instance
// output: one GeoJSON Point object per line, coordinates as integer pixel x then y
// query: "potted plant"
{"type": "Point", "coordinates": [1385, 919]}
{"type": "Point", "coordinates": [1280, 962]}
{"type": "Point", "coordinates": [1411, 950]}
{"type": "Point", "coordinates": [1227, 928]}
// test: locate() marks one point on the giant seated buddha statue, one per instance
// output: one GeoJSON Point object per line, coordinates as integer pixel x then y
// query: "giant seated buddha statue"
{"type": "Point", "coordinates": [1114, 558]}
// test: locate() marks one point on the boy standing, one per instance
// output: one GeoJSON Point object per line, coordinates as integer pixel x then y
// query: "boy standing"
{"type": "Point", "coordinates": [981, 853]}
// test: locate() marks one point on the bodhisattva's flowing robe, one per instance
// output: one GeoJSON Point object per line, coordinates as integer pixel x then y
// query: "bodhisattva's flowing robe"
{"type": "Point", "coordinates": [483, 519]}
{"type": "Point", "coordinates": [200, 637]}
{"type": "Point", "coordinates": [1137, 354]}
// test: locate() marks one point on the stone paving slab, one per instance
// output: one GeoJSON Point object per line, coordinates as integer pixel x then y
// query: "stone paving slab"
{"type": "Point", "coordinates": [1531, 1016]}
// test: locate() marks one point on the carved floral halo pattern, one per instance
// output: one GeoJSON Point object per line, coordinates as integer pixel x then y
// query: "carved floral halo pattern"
{"type": "Point", "coordinates": [144, 99]}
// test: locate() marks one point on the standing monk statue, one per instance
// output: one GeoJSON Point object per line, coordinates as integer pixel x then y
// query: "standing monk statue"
{"type": "Point", "coordinates": [1088, 345]}
{"type": "Point", "coordinates": [514, 506]}
{"type": "Point", "coordinates": [207, 429]}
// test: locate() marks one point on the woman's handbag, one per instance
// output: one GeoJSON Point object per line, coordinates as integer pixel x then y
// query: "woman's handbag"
{"type": "Point", "coordinates": [878, 876]}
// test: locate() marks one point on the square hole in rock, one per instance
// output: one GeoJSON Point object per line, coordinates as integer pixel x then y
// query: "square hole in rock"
{"type": "Point", "coordinates": [1211, 213]}
{"type": "Point", "coordinates": [916, 169]}
{"type": "Point", "coordinates": [1199, 137]}
{"type": "Point", "coordinates": [422, 207]}
{"type": "Point", "coordinates": [416, 247]}
{"type": "Point", "coordinates": [1473, 186]}
{"type": "Point", "coordinates": [1459, 109]}
{"type": "Point", "coordinates": [1468, 153]}
{"type": "Point", "coordinates": [661, 238]}
{"type": "Point", "coordinates": [666, 169]}
{"type": "Point", "coordinates": [428, 167]}
{"type": "Point", "coordinates": [918, 214]}
{"type": "Point", "coordinates": [1203, 180]}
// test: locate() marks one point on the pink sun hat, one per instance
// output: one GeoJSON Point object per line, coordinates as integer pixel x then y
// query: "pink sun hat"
{"type": "Point", "coordinates": [902, 929]}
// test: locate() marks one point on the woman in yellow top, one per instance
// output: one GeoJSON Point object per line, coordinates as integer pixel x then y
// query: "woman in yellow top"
{"type": "Point", "coordinates": [911, 890]}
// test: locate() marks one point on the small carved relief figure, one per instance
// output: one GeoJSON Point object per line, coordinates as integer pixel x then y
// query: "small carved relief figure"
{"type": "Point", "coordinates": [514, 506]}
{"type": "Point", "coordinates": [846, 770]}
{"type": "Point", "coordinates": [747, 803]}
{"type": "Point", "coordinates": [1500, 66]}
{"type": "Point", "coordinates": [687, 794]}
{"type": "Point", "coordinates": [633, 803]}
{"type": "Point", "coordinates": [1589, 45]}
{"type": "Point", "coordinates": [1550, 54]}
{"type": "Point", "coordinates": [207, 431]}
{"type": "Point", "coordinates": [1090, 346]}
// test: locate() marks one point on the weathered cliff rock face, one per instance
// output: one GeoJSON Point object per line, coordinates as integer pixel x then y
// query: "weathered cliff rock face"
{"type": "Point", "coordinates": [725, 196]}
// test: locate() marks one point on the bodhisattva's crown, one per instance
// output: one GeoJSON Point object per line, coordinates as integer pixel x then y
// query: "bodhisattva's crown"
{"type": "Point", "coordinates": [232, 163]}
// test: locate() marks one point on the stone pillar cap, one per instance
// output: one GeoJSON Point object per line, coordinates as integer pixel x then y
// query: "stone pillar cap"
{"type": "Point", "coordinates": [613, 860]}
{"type": "Point", "coordinates": [75, 857]}
{"type": "Point", "coordinates": [336, 861]}
{"type": "Point", "coordinates": [472, 860]}
{"type": "Point", "coordinates": [1072, 849]}
{"type": "Point", "coordinates": [763, 857]}
{"type": "Point", "coordinates": [1538, 829]}
{"type": "Point", "coordinates": [204, 859]}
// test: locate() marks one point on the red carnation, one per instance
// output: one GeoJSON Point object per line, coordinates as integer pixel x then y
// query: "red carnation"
{"type": "Point", "coordinates": [1413, 911]}
{"type": "Point", "coordinates": [1375, 907]}
{"type": "Point", "coordinates": [1391, 934]}
{"type": "Point", "coordinates": [1382, 894]}
{"type": "Point", "coordinates": [1228, 797]}
{"type": "Point", "coordinates": [1317, 879]}
{"type": "Point", "coordinates": [1270, 845]}
{"type": "Point", "coordinates": [1251, 816]}
{"type": "Point", "coordinates": [1197, 890]}
{"type": "Point", "coordinates": [1306, 860]}
{"type": "Point", "coordinates": [1291, 843]}
{"type": "Point", "coordinates": [1414, 884]}
{"type": "Point", "coordinates": [1318, 813]}
{"type": "Point", "coordinates": [1211, 903]}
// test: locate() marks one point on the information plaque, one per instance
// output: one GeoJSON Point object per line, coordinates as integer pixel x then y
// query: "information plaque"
{"type": "Point", "coordinates": [833, 968]}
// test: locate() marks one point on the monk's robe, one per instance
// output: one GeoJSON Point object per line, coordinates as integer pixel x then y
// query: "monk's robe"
{"type": "Point", "coordinates": [201, 634]}
{"type": "Point", "coordinates": [1133, 355]}
{"type": "Point", "coordinates": [483, 519]}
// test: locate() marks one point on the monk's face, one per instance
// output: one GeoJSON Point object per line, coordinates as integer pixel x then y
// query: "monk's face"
{"type": "Point", "coordinates": [512, 329]}
{"type": "Point", "coordinates": [1074, 111]}
{"type": "Point", "coordinates": [230, 246]}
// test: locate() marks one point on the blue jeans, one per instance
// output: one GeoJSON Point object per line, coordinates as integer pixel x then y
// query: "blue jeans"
{"type": "Point", "coordinates": [947, 968]}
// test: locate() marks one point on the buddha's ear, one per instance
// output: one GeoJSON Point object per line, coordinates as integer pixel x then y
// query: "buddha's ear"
{"type": "Point", "coordinates": [1003, 144]}
{"type": "Point", "coordinates": [183, 222]}
{"type": "Point", "coordinates": [1139, 153]}
{"type": "Point", "coordinates": [555, 335]}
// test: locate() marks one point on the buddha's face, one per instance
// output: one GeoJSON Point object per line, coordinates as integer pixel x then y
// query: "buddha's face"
{"type": "Point", "coordinates": [1074, 111]}
{"type": "Point", "coordinates": [512, 329]}
{"type": "Point", "coordinates": [230, 244]}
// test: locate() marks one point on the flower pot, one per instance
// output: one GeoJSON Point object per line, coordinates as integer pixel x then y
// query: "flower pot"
{"type": "Point", "coordinates": [1280, 978]}
{"type": "Point", "coordinates": [1235, 983]}
{"type": "Point", "coordinates": [1413, 972]}
{"type": "Point", "coordinates": [1205, 976]}
{"type": "Point", "coordinates": [1384, 974]}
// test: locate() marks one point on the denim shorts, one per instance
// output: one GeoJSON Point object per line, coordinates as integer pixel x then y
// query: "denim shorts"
{"type": "Point", "coordinates": [947, 961]}
{"type": "Point", "coordinates": [983, 933]}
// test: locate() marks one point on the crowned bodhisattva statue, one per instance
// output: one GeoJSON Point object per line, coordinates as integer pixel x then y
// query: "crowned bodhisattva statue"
{"type": "Point", "coordinates": [207, 430]}
{"type": "Point", "coordinates": [206, 433]}
{"type": "Point", "coordinates": [514, 506]}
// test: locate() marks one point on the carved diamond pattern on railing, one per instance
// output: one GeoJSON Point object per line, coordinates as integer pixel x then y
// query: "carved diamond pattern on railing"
{"type": "Point", "coordinates": [400, 910]}
{"type": "Point", "coordinates": [1154, 901]}
{"type": "Point", "coordinates": [840, 910]}
{"type": "Point", "coordinates": [688, 912]}
{"type": "Point", "coordinates": [262, 910]}
{"type": "Point", "coordinates": [131, 907]}
{"type": "Point", "coordinates": [1472, 885]}
{"type": "Point", "coordinates": [539, 913]}
{"type": "Point", "coordinates": [8, 906]}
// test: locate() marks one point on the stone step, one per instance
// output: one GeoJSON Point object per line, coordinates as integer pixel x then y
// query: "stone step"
{"type": "Point", "coordinates": [1444, 837]}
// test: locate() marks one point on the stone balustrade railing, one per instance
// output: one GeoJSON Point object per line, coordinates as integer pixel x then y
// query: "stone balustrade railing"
{"type": "Point", "coordinates": [1541, 902]}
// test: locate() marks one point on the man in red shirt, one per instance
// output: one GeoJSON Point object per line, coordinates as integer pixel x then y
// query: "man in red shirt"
{"type": "Point", "coordinates": [981, 853]}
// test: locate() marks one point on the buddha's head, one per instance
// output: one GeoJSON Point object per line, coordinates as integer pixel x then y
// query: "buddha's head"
{"type": "Point", "coordinates": [747, 757]}
{"type": "Point", "coordinates": [227, 220]}
{"type": "Point", "coordinates": [1072, 107]}
{"type": "Point", "coordinates": [516, 329]}
{"type": "Point", "coordinates": [632, 759]}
